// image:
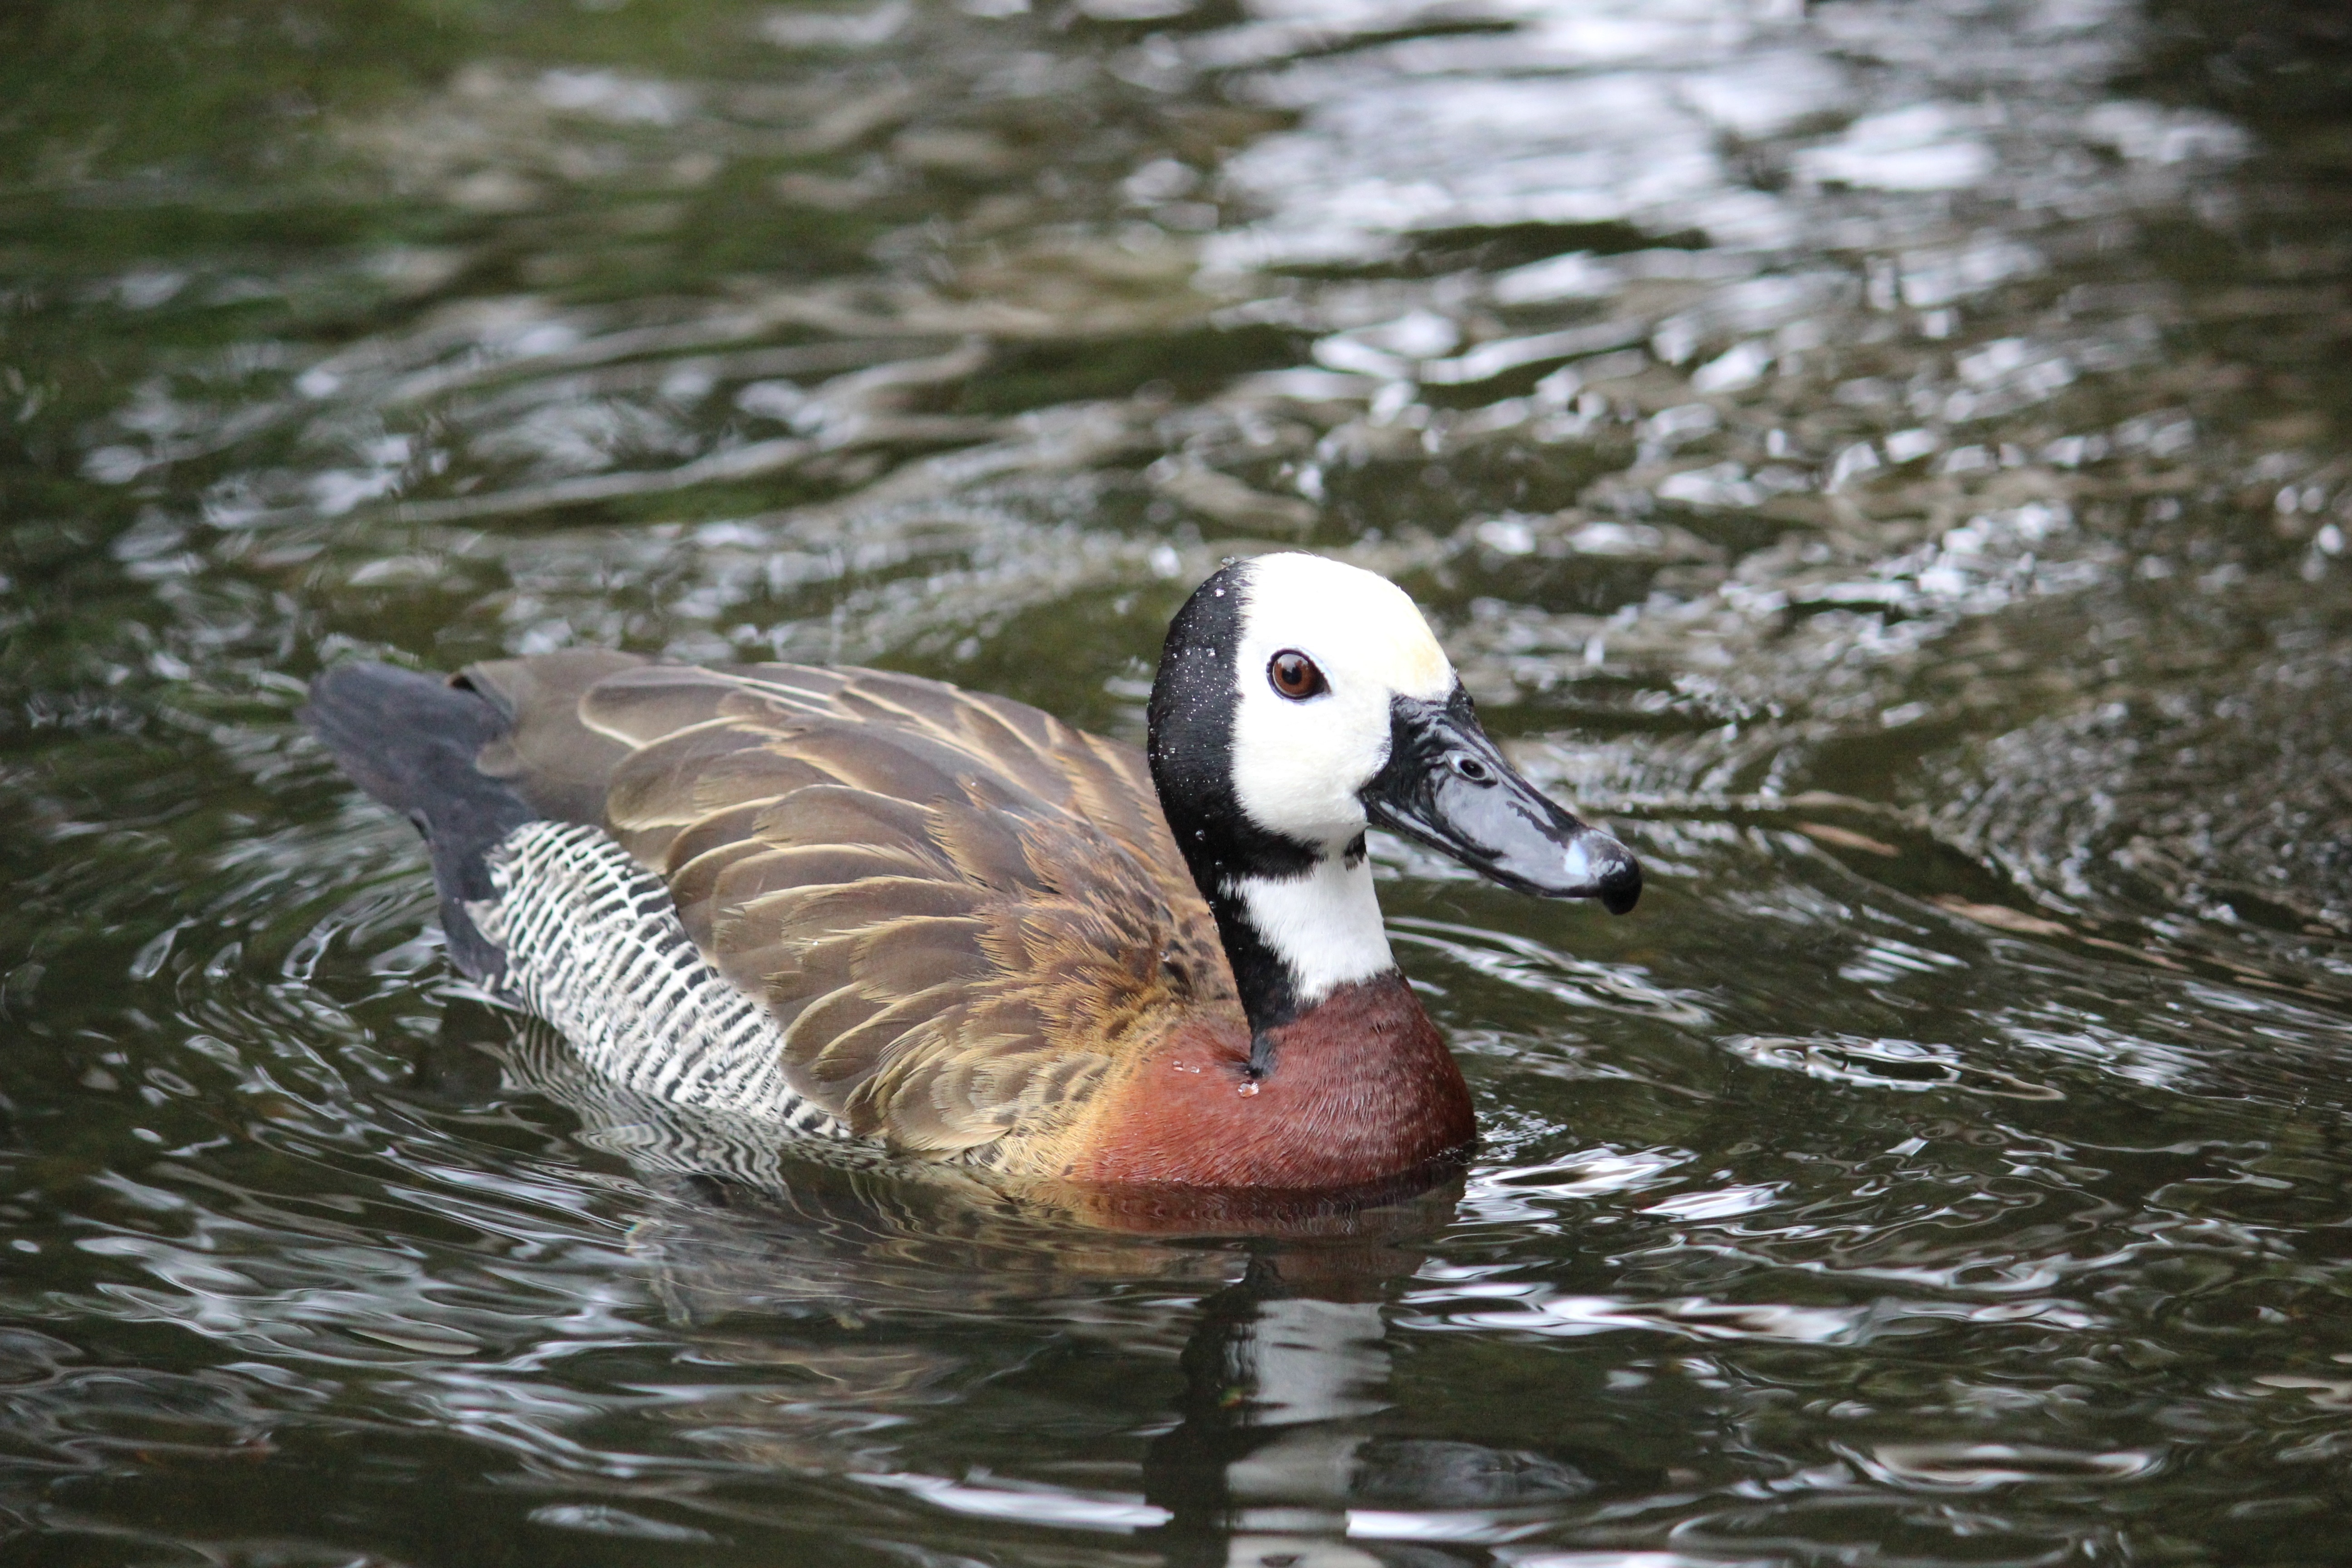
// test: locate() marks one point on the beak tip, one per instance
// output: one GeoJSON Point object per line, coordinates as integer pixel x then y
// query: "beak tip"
{"type": "Point", "coordinates": [1620, 894]}
{"type": "Point", "coordinates": [1602, 869]}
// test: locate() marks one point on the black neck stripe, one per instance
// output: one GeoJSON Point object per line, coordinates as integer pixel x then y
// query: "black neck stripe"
{"type": "Point", "coordinates": [1194, 700]}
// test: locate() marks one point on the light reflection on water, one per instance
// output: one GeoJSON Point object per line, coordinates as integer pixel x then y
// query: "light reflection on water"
{"type": "Point", "coordinates": [1886, 461]}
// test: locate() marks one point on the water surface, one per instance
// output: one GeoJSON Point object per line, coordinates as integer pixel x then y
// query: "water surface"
{"type": "Point", "coordinates": [1886, 461]}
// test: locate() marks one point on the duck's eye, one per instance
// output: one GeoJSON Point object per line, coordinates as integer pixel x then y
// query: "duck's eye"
{"type": "Point", "coordinates": [1295, 676]}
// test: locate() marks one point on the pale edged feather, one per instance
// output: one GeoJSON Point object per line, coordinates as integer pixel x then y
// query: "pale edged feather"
{"type": "Point", "coordinates": [548, 754]}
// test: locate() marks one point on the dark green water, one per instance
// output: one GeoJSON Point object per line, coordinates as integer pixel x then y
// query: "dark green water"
{"type": "Point", "coordinates": [1887, 461]}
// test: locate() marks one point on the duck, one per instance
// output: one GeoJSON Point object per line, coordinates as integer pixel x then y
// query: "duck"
{"type": "Point", "coordinates": [870, 908]}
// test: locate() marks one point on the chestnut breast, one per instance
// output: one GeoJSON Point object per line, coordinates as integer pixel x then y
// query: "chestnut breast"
{"type": "Point", "coordinates": [1361, 1087]}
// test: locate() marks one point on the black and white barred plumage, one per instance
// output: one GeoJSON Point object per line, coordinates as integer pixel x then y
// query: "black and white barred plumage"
{"type": "Point", "coordinates": [593, 943]}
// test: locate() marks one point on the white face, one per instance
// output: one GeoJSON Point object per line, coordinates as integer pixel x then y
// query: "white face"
{"type": "Point", "coordinates": [1299, 765]}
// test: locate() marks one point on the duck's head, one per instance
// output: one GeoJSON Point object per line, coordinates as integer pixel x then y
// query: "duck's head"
{"type": "Point", "coordinates": [1300, 701]}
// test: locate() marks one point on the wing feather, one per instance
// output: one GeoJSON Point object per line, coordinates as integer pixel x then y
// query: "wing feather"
{"type": "Point", "coordinates": [960, 909]}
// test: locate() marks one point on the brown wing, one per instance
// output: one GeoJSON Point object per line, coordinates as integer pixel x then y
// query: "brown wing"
{"type": "Point", "coordinates": [960, 908]}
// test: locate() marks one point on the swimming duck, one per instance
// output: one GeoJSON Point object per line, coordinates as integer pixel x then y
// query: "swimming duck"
{"type": "Point", "coordinates": [854, 904]}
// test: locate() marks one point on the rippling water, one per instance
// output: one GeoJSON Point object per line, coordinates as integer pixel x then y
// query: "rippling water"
{"type": "Point", "coordinates": [1889, 461]}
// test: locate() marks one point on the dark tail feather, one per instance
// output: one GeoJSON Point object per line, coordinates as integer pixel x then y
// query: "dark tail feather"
{"type": "Point", "coordinates": [410, 741]}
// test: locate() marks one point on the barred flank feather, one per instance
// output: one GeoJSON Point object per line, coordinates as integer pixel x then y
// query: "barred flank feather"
{"type": "Point", "coordinates": [594, 944]}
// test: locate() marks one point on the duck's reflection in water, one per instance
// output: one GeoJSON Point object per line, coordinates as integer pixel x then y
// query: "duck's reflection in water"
{"type": "Point", "coordinates": [873, 1299]}
{"type": "Point", "coordinates": [1278, 1458]}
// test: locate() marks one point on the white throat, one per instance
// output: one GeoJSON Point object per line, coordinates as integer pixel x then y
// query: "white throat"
{"type": "Point", "coordinates": [1324, 925]}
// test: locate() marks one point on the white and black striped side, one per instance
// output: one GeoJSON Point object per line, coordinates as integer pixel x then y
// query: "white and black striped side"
{"type": "Point", "coordinates": [592, 944]}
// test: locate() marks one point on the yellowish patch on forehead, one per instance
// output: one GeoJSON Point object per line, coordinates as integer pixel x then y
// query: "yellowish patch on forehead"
{"type": "Point", "coordinates": [1426, 667]}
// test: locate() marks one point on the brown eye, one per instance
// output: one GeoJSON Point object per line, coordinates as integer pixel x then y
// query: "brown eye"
{"type": "Point", "coordinates": [1295, 676]}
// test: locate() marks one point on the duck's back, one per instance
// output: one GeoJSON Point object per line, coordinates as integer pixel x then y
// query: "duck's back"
{"type": "Point", "coordinates": [861, 903]}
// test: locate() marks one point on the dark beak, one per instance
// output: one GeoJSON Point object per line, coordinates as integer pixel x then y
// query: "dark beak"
{"type": "Point", "coordinates": [1446, 785]}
